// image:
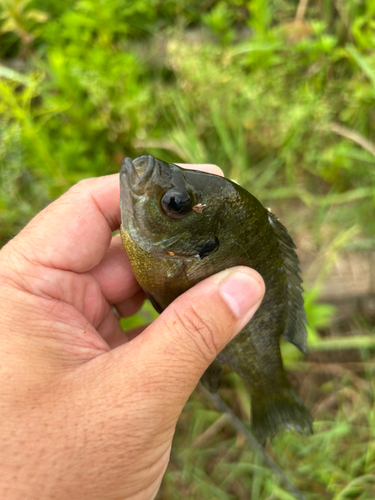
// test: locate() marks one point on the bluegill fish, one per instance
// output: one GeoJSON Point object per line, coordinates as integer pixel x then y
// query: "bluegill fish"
{"type": "Point", "coordinates": [181, 226]}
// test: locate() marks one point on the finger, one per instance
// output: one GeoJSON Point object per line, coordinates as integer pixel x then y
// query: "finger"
{"type": "Point", "coordinates": [181, 343]}
{"type": "Point", "coordinates": [110, 326]}
{"type": "Point", "coordinates": [119, 338]}
{"type": "Point", "coordinates": [205, 167]}
{"type": "Point", "coordinates": [75, 231]}
{"type": "Point", "coordinates": [131, 305]}
{"type": "Point", "coordinates": [114, 274]}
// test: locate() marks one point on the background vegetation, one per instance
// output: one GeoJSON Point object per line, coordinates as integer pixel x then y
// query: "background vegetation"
{"type": "Point", "coordinates": [281, 95]}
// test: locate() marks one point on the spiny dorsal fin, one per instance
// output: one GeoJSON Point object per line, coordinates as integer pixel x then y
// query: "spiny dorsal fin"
{"type": "Point", "coordinates": [295, 330]}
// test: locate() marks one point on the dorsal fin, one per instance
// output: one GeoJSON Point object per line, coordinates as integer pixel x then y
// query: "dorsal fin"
{"type": "Point", "coordinates": [295, 330]}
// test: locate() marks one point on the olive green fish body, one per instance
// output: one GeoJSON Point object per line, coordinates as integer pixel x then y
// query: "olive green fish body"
{"type": "Point", "coordinates": [181, 226]}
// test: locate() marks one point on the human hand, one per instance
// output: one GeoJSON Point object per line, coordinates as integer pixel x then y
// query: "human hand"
{"type": "Point", "coordinates": [88, 411]}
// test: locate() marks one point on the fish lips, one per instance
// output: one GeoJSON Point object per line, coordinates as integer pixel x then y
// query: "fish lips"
{"type": "Point", "coordinates": [134, 177]}
{"type": "Point", "coordinates": [145, 173]}
{"type": "Point", "coordinates": [128, 177]}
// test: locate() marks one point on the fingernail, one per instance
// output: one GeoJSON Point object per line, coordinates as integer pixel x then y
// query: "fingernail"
{"type": "Point", "coordinates": [243, 291]}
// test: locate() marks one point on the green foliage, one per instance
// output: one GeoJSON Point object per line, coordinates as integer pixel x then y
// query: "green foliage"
{"type": "Point", "coordinates": [284, 106]}
{"type": "Point", "coordinates": [20, 19]}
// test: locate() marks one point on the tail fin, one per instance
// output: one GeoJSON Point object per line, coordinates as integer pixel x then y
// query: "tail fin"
{"type": "Point", "coordinates": [271, 413]}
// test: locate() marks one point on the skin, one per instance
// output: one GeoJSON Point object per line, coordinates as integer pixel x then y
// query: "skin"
{"type": "Point", "coordinates": [88, 411]}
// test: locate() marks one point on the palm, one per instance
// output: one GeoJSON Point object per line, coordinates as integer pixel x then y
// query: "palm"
{"type": "Point", "coordinates": [78, 271]}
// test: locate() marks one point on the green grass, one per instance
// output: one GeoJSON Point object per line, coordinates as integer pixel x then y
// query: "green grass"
{"type": "Point", "coordinates": [287, 109]}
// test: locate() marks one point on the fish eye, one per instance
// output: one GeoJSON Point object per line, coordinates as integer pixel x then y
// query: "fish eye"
{"type": "Point", "coordinates": [176, 203]}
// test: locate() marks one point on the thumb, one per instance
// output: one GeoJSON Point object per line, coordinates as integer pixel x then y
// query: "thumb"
{"type": "Point", "coordinates": [181, 343]}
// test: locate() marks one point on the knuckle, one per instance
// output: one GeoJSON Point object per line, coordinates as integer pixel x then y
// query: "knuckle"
{"type": "Point", "coordinates": [82, 185]}
{"type": "Point", "coordinates": [79, 193]}
{"type": "Point", "coordinates": [200, 330]}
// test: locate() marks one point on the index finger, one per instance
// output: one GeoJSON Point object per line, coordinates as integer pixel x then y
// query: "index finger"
{"type": "Point", "coordinates": [75, 232]}
{"type": "Point", "coordinates": [205, 167]}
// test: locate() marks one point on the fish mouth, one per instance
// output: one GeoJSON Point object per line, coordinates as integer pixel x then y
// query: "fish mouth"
{"type": "Point", "coordinates": [145, 170]}
{"type": "Point", "coordinates": [131, 174]}
{"type": "Point", "coordinates": [142, 178]}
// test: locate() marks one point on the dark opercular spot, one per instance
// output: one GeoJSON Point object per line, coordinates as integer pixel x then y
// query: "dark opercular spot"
{"type": "Point", "coordinates": [176, 203]}
{"type": "Point", "coordinates": [209, 247]}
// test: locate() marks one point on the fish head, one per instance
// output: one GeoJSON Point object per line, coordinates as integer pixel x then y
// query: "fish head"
{"type": "Point", "coordinates": [169, 211]}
